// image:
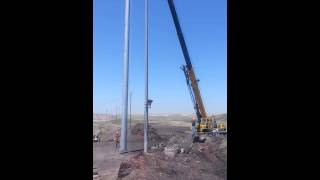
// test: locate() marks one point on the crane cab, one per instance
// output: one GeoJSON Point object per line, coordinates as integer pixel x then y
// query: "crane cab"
{"type": "Point", "coordinates": [206, 125]}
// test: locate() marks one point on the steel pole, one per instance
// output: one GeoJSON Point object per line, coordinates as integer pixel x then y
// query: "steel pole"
{"type": "Point", "coordinates": [124, 120]}
{"type": "Point", "coordinates": [146, 77]}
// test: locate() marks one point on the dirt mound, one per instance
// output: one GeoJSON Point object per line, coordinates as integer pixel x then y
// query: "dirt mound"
{"type": "Point", "coordinates": [199, 160]}
{"type": "Point", "coordinates": [124, 170]}
{"type": "Point", "coordinates": [130, 167]}
{"type": "Point", "coordinates": [138, 129]}
{"type": "Point", "coordinates": [153, 137]}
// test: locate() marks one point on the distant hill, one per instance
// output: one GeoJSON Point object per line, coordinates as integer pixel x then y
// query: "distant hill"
{"type": "Point", "coordinates": [182, 117]}
{"type": "Point", "coordinates": [102, 116]}
{"type": "Point", "coordinates": [221, 117]}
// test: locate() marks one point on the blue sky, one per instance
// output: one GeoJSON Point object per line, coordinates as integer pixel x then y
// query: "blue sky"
{"type": "Point", "coordinates": [204, 25]}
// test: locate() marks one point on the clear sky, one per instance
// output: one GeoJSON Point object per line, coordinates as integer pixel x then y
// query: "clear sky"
{"type": "Point", "coordinates": [204, 25]}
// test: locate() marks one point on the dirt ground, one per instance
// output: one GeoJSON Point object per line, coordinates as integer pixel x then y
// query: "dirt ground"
{"type": "Point", "coordinates": [206, 160]}
{"type": "Point", "coordinates": [106, 158]}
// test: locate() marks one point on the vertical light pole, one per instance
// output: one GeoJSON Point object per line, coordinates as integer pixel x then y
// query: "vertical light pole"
{"type": "Point", "coordinates": [146, 76]}
{"type": "Point", "coordinates": [124, 119]}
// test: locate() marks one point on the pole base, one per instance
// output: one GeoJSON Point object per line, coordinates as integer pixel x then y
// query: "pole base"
{"type": "Point", "coordinates": [123, 151]}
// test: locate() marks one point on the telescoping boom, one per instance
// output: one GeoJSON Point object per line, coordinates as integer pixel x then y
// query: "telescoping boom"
{"type": "Point", "coordinates": [204, 123]}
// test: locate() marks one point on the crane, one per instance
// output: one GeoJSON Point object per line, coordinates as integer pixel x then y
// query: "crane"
{"type": "Point", "coordinates": [204, 123]}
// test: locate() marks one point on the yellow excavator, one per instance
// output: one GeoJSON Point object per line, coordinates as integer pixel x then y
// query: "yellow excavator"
{"type": "Point", "coordinates": [204, 123]}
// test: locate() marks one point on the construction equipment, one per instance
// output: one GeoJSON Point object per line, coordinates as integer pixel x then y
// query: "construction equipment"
{"type": "Point", "coordinates": [218, 128]}
{"type": "Point", "coordinates": [204, 123]}
{"type": "Point", "coordinates": [222, 127]}
{"type": "Point", "coordinates": [96, 138]}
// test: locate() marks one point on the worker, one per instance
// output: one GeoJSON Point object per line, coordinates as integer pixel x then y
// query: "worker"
{"type": "Point", "coordinates": [193, 126]}
{"type": "Point", "coordinates": [116, 137]}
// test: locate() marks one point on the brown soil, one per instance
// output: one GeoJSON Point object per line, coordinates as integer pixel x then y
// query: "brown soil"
{"type": "Point", "coordinates": [206, 160]}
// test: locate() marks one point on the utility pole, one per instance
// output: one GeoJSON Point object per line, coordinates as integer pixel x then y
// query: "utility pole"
{"type": "Point", "coordinates": [116, 113]}
{"type": "Point", "coordinates": [130, 108]}
{"type": "Point", "coordinates": [124, 119]}
{"type": "Point", "coordinates": [106, 114]}
{"type": "Point", "coordinates": [146, 76]}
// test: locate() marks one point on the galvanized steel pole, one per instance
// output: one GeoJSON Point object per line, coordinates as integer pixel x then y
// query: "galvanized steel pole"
{"type": "Point", "coordinates": [124, 120]}
{"type": "Point", "coordinates": [146, 77]}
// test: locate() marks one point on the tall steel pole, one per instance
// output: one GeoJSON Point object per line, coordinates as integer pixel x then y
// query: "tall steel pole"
{"type": "Point", "coordinates": [146, 77]}
{"type": "Point", "coordinates": [124, 120]}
